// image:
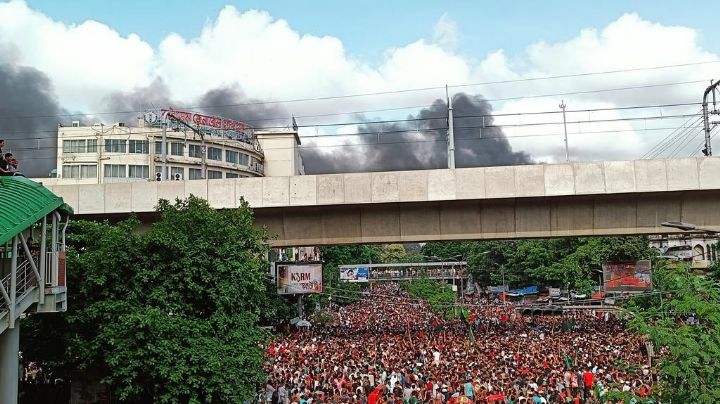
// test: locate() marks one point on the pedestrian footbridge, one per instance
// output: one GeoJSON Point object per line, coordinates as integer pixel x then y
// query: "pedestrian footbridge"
{"type": "Point", "coordinates": [32, 265]}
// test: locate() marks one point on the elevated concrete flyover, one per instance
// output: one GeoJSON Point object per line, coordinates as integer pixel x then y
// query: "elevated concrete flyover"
{"type": "Point", "coordinates": [545, 200]}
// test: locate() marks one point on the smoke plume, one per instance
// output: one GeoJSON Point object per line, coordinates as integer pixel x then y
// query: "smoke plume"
{"type": "Point", "coordinates": [29, 115]}
{"type": "Point", "coordinates": [419, 143]}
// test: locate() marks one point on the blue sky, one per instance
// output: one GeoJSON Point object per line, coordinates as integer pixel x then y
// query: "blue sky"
{"type": "Point", "coordinates": [368, 28]}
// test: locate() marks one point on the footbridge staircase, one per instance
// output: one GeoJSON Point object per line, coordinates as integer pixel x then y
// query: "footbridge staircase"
{"type": "Point", "coordinates": [32, 266]}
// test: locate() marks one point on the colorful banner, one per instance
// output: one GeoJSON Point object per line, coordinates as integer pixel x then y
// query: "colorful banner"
{"type": "Point", "coordinates": [355, 274]}
{"type": "Point", "coordinates": [299, 278]}
{"type": "Point", "coordinates": [627, 276]}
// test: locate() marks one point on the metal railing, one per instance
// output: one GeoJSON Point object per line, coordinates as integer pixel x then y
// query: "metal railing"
{"type": "Point", "coordinates": [25, 280]}
{"type": "Point", "coordinates": [417, 273]}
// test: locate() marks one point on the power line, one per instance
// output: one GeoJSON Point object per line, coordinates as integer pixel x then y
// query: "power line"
{"type": "Point", "coordinates": [518, 114]}
{"type": "Point", "coordinates": [658, 145]}
{"type": "Point", "coordinates": [509, 114]}
{"type": "Point", "coordinates": [401, 91]}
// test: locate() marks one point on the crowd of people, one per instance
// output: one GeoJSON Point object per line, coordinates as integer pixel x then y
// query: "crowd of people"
{"type": "Point", "coordinates": [9, 165]}
{"type": "Point", "coordinates": [388, 348]}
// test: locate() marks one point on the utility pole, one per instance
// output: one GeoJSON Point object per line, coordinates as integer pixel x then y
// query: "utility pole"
{"type": "Point", "coordinates": [163, 149]}
{"type": "Point", "coordinates": [562, 106]}
{"type": "Point", "coordinates": [451, 132]}
{"type": "Point", "coordinates": [707, 151]}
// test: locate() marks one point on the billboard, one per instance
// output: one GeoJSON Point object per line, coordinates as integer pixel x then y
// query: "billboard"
{"type": "Point", "coordinates": [361, 274]}
{"type": "Point", "coordinates": [298, 278]}
{"type": "Point", "coordinates": [627, 276]}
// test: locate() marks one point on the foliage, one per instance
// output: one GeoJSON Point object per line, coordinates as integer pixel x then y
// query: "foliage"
{"type": "Point", "coordinates": [439, 295]}
{"type": "Point", "coordinates": [392, 254]}
{"type": "Point", "coordinates": [688, 366]}
{"type": "Point", "coordinates": [169, 315]}
{"type": "Point", "coordinates": [714, 270]}
{"type": "Point", "coordinates": [563, 262]}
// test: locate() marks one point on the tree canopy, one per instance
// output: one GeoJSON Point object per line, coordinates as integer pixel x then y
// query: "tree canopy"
{"type": "Point", "coordinates": [683, 323]}
{"type": "Point", "coordinates": [167, 315]}
{"type": "Point", "coordinates": [563, 262]}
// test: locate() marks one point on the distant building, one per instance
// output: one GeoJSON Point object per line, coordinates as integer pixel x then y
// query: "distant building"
{"type": "Point", "coordinates": [121, 153]}
{"type": "Point", "coordinates": [699, 251]}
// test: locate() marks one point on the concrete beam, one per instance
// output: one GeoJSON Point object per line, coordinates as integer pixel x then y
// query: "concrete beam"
{"type": "Point", "coordinates": [575, 216]}
{"type": "Point", "coordinates": [488, 183]}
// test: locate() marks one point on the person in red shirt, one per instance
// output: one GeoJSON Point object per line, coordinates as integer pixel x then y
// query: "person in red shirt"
{"type": "Point", "coordinates": [375, 395]}
{"type": "Point", "coordinates": [588, 380]}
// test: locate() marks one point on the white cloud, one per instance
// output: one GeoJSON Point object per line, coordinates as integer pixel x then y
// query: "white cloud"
{"type": "Point", "coordinates": [268, 59]}
{"type": "Point", "coordinates": [446, 33]}
{"type": "Point", "coordinates": [82, 60]}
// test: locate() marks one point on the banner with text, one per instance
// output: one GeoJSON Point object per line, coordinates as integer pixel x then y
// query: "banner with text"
{"type": "Point", "coordinates": [627, 276]}
{"type": "Point", "coordinates": [299, 278]}
{"type": "Point", "coordinates": [355, 274]}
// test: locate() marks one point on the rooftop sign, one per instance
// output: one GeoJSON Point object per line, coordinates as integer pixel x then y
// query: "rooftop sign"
{"type": "Point", "coordinates": [209, 121]}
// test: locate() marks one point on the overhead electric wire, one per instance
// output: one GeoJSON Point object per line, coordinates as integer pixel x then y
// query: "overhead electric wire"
{"type": "Point", "coordinates": [684, 142]}
{"type": "Point", "coordinates": [405, 91]}
{"type": "Point", "coordinates": [653, 149]}
{"type": "Point", "coordinates": [671, 138]}
{"type": "Point", "coordinates": [674, 139]}
{"type": "Point", "coordinates": [702, 143]}
{"type": "Point", "coordinates": [441, 129]}
{"type": "Point", "coordinates": [508, 114]}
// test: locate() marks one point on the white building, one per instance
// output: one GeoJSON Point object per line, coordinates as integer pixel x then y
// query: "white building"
{"type": "Point", "coordinates": [120, 153]}
{"type": "Point", "coordinates": [700, 251]}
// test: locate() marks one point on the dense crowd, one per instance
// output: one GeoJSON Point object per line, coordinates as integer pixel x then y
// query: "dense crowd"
{"type": "Point", "coordinates": [389, 348]}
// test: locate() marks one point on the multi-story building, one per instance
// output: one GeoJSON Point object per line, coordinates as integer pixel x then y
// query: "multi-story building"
{"type": "Point", "coordinates": [120, 153]}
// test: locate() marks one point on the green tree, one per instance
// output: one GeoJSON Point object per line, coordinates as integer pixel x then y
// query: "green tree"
{"type": "Point", "coordinates": [439, 295]}
{"type": "Point", "coordinates": [393, 254]}
{"type": "Point", "coordinates": [169, 315]}
{"type": "Point", "coordinates": [688, 350]}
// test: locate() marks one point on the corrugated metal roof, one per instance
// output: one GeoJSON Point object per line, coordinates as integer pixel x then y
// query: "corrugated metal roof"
{"type": "Point", "coordinates": [24, 202]}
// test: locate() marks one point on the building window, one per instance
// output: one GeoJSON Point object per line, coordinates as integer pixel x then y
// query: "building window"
{"type": "Point", "coordinates": [177, 149]}
{"type": "Point", "coordinates": [244, 159]}
{"type": "Point", "coordinates": [214, 154]}
{"type": "Point", "coordinates": [195, 174]}
{"type": "Point", "coordinates": [231, 175]}
{"type": "Point", "coordinates": [214, 175]}
{"type": "Point", "coordinates": [195, 150]}
{"type": "Point", "coordinates": [138, 146]}
{"type": "Point", "coordinates": [80, 171]}
{"type": "Point", "coordinates": [92, 146]}
{"type": "Point", "coordinates": [158, 147]}
{"type": "Point", "coordinates": [138, 171]}
{"type": "Point", "coordinates": [115, 145]}
{"type": "Point", "coordinates": [177, 172]}
{"type": "Point", "coordinates": [231, 156]}
{"type": "Point", "coordinates": [115, 171]}
{"type": "Point", "coordinates": [73, 146]}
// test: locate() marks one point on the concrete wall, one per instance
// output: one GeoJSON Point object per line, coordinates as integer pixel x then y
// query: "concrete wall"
{"type": "Point", "coordinates": [614, 197]}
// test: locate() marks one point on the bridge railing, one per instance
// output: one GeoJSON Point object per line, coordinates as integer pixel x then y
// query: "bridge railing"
{"type": "Point", "coordinates": [25, 280]}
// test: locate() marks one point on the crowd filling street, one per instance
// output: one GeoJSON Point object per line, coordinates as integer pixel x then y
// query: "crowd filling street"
{"type": "Point", "coordinates": [389, 348]}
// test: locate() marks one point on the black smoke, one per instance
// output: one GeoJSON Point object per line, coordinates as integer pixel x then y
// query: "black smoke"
{"type": "Point", "coordinates": [420, 142]}
{"type": "Point", "coordinates": [29, 115]}
{"type": "Point", "coordinates": [231, 102]}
